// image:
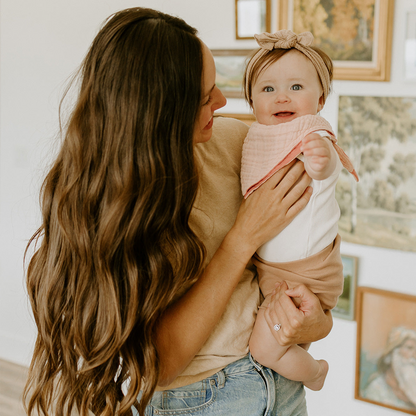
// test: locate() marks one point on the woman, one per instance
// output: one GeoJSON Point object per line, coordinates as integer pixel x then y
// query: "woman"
{"type": "Point", "coordinates": [141, 266]}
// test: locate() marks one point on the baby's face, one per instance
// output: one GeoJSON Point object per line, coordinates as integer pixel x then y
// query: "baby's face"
{"type": "Point", "coordinates": [287, 89]}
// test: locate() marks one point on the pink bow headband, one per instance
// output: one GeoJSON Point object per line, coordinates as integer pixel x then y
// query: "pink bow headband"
{"type": "Point", "coordinates": [286, 39]}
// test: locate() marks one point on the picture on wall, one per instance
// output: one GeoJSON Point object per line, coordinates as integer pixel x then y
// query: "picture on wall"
{"type": "Point", "coordinates": [379, 135]}
{"type": "Point", "coordinates": [356, 34]}
{"type": "Point", "coordinates": [345, 307]}
{"type": "Point", "coordinates": [251, 17]}
{"type": "Point", "coordinates": [230, 65]}
{"type": "Point", "coordinates": [386, 349]}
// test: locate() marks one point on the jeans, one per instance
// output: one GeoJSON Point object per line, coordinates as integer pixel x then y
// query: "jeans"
{"type": "Point", "coordinates": [243, 388]}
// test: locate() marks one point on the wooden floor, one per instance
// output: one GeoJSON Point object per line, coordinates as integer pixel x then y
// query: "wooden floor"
{"type": "Point", "coordinates": [12, 381]}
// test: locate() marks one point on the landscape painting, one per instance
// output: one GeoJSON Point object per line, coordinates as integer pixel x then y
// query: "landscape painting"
{"type": "Point", "coordinates": [230, 65]}
{"type": "Point", "coordinates": [379, 135]}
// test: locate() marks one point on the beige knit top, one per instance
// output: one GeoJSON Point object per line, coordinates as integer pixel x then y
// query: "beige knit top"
{"type": "Point", "coordinates": [213, 216]}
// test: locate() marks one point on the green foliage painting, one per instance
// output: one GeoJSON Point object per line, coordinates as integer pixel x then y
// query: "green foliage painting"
{"type": "Point", "coordinates": [379, 135]}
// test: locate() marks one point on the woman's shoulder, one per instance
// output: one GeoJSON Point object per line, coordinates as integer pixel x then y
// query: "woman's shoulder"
{"type": "Point", "coordinates": [229, 133]}
{"type": "Point", "coordinates": [230, 125]}
{"type": "Point", "coordinates": [224, 148]}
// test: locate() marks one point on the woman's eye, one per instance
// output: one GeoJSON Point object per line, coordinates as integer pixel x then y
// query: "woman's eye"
{"type": "Point", "coordinates": [268, 89]}
{"type": "Point", "coordinates": [296, 87]}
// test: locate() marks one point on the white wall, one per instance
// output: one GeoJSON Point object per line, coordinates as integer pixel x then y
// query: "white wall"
{"type": "Point", "coordinates": [41, 43]}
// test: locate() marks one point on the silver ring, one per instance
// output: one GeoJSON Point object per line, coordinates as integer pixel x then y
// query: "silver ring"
{"type": "Point", "coordinates": [277, 327]}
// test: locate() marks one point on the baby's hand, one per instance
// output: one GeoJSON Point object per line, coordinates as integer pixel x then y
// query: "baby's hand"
{"type": "Point", "coordinates": [319, 156]}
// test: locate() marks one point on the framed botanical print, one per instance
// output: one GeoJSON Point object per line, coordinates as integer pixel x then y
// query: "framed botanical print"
{"type": "Point", "coordinates": [356, 35]}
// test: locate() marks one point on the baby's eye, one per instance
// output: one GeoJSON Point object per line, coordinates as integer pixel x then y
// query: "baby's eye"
{"type": "Point", "coordinates": [296, 87]}
{"type": "Point", "coordinates": [268, 89]}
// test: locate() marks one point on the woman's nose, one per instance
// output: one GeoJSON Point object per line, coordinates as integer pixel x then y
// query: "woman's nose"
{"type": "Point", "coordinates": [220, 100]}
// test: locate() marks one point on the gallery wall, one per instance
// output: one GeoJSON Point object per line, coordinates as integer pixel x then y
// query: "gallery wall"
{"type": "Point", "coordinates": [41, 44]}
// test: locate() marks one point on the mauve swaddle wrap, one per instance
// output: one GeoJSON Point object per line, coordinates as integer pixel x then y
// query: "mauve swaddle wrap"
{"type": "Point", "coordinates": [321, 273]}
{"type": "Point", "coordinates": [267, 149]}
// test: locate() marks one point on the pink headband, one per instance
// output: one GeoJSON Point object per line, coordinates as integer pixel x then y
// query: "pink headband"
{"type": "Point", "coordinates": [286, 39]}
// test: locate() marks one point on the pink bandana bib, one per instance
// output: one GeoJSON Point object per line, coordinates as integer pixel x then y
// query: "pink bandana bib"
{"type": "Point", "coordinates": [267, 149]}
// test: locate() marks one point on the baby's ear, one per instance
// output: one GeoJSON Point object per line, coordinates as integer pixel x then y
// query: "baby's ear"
{"type": "Point", "coordinates": [321, 103]}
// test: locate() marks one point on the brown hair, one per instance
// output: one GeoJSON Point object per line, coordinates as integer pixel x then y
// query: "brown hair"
{"type": "Point", "coordinates": [262, 63]}
{"type": "Point", "coordinates": [115, 247]}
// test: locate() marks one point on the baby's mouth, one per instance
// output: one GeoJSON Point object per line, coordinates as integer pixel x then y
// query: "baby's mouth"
{"type": "Point", "coordinates": [284, 114]}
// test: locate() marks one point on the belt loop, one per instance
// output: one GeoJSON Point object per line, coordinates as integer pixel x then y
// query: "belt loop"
{"type": "Point", "coordinates": [257, 365]}
{"type": "Point", "coordinates": [221, 379]}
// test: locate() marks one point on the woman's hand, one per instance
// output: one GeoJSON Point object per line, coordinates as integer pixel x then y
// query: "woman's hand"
{"type": "Point", "coordinates": [299, 325]}
{"type": "Point", "coordinates": [266, 212]}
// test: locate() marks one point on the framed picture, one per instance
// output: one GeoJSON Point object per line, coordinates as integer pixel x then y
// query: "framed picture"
{"type": "Point", "coordinates": [357, 35]}
{"type": "Point", "coordinates": [345, 307]}
{"type": "Point", "coordinates": [379, 136]}
{"type": "Point", "coordinates": [251, 17]}
{"type": "Point", "coordinates": [410, 46]}
{"type": "Point", "coordinates": [230, 65]}
{"type": "Point", "coordinates": [386, 349]}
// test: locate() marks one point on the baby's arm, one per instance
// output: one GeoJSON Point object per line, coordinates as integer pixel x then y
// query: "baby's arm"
{"type": "Point", "coordinates": [320, 156]}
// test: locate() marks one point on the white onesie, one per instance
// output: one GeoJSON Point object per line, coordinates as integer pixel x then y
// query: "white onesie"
{"type": "Point", "coordinates": [314, 228]}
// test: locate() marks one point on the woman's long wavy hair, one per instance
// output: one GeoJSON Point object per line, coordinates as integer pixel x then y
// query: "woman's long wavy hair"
{"type": "Point", "coordinates": [115, 247]}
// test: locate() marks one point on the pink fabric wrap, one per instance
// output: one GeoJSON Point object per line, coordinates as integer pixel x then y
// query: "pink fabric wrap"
{"type": "Point", "coordinates": [267, 149]}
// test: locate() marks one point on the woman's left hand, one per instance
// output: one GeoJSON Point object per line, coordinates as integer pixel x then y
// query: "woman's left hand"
{"type": "Point", "coordinates": [301, 324]}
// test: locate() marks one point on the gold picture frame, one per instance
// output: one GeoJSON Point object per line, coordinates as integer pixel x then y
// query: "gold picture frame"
{"type": "Point", "coordinates": [386, 347]}
{"type": "Point", "coordinates": [366, 55]}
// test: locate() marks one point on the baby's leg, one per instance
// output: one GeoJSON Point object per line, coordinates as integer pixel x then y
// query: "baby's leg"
{"type": "Point", "coordinates": [293, 363]}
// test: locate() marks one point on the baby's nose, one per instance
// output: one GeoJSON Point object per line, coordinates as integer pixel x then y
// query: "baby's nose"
{"type": "Point", "coordinates": [282, 98]}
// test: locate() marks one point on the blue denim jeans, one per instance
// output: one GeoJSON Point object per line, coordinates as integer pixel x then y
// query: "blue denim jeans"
{"type": "Point", "coordinates": [243, 388]}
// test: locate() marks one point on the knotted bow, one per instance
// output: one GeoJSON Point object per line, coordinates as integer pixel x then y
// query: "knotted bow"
{"type": "Point", "coordinates": [283, 39]}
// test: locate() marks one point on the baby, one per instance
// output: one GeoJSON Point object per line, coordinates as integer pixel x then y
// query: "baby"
{"type": "Point", "coordinates": [287, 82]}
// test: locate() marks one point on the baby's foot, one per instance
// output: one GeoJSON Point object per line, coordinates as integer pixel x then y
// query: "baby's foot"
{"type": "Point", "coordinates": [318, 382]}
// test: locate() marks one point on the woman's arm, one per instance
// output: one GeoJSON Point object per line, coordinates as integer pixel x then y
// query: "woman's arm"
{"type": "Point", "coordinates": [187, 324]}
{"type": "Point", "coordinates": [299, 325]}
